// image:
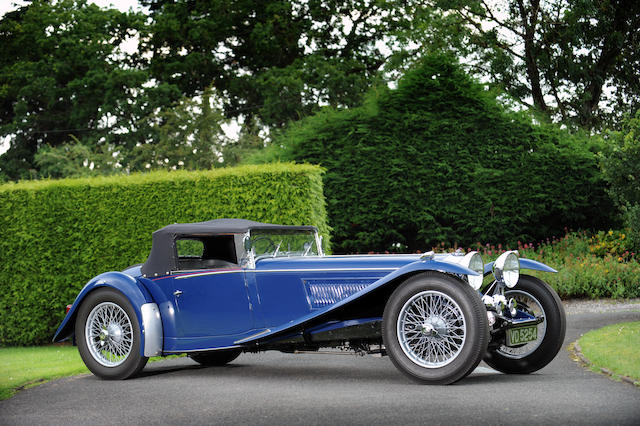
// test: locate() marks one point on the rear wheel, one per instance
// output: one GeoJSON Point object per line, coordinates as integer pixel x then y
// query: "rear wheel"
{"type": "Point", "coordinates": [435, 328]}
{"type": "Point", "coordinates": [216, 358]}
{"type": "Point", "coordinates": [108, 335]}
{"type": "Point", "coordinates": [537, 298]}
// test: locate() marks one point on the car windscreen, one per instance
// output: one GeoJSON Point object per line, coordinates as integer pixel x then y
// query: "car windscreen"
{"type": "Point", "coordinates": [278, 243]}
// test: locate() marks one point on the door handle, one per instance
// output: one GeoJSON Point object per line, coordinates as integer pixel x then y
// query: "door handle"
{"type": "Point", "coordinates": [177, 293]}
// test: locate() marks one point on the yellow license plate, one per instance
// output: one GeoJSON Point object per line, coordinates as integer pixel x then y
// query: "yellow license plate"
{"type": "Point", "coordinates": [521, 335]}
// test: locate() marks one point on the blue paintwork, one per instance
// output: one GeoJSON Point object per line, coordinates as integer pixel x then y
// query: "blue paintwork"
{"type": "Point", "coordinates": [396, 267]}
{"type": "Point", "coordinates": [227, 307]}
{"type": "Point", "coordinates": [283, 284]}
{"type": "Point", "coordinates": [133, 271]}
{"type": "Point", "coordinates": [210, 308]}
{"type": "Point", "coordinates": [524, 264]}
{"type": "Point", "coordinates": [132, 288]}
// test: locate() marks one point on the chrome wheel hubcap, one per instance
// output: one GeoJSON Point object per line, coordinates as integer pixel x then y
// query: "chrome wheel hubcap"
{"type": "Point", "coordinates": [109, 334]}
{"type": "Point", "coordinates": [431, 329]}
{"type": "Point", "coordinates": [532, 306]}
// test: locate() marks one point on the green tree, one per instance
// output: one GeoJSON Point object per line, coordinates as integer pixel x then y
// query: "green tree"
{"type": "Point", "coordinates": [249, 141]}
{"type": "Point", "coordinates": [577, 61]}
{"type": "Point", "coordinates": [441, 159]}
{"type": "Point", "coordinates": [186, 136]}
{"type": "Point", "coordinates": [620, 164]}
{"type": "Point", "coordinates": [75, 159]}
{"type": "Point", "coordinates": [276, 59]}
{"type": "Point", "coordinates": [63, 77]}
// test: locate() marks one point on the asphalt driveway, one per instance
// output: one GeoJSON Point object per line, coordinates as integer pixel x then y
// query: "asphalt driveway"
{"type": "Point", "coordinates": [274, 388]}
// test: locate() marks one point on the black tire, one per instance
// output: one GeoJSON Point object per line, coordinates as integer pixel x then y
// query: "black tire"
{"type": "Point", "coordinates": [532, 358]}
{"type": "Point", "coordinates": [216, 358]}
{"type": "Point", "coordinates": [463, 307]}
{"type": "Point", "coordinates": [128, 336]}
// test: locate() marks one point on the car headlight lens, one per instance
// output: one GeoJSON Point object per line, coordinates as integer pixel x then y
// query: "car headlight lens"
{"type": "Point", "coordinates": [474, 262]}
{"type": "Point", "coordinates": [507, 268]}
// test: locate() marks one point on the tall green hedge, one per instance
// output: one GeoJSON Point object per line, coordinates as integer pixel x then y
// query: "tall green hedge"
{"type": "Point", "coordinates": [440, 159]}
{"type": "Point", "coordinates": [56, 235]}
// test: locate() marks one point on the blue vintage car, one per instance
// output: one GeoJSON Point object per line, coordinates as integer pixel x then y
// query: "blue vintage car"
{"type": "Point", "coordinates": [218, 288]}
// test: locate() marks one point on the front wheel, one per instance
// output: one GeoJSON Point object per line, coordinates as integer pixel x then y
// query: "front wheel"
{"type": "Point", "coordinates": [435, 328]}
{"type": "Point", "coordinates": [536, 298]}
{"type": "Point", "coordinates": [108, 335]}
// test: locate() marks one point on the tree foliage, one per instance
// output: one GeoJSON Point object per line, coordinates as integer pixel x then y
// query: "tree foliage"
{"type": "Point", "coordinates": [276, 59]}
{"type": "Point", "coordinates": [620, 164]}
{"type": "Point", "coordinates": [186, 136]}
{"type": "Point", "coordinates": [576, 61]}
{"type": "Point", "coordinates": [66, 83]}
{"type": "Point", "coordinates": [68, 88]}
{"type": "Point", "coordinates": [440, 160]}
{"type": "Point", "coordinates": [63, 77]}
{"type": "Point", "coordinates": [75, 159]}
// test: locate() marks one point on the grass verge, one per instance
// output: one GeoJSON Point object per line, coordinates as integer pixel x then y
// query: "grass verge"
{"type": "Point", "coordinates": [615, 348]}
{"type": "Point", "coordinates": [25, 367]}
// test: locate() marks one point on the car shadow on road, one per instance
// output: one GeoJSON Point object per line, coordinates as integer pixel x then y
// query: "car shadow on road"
{"type": "Point", "coordinates": [290, 372]}
{"type": "Point", "coordinates": [277, 372]}
{"type": "Point", "coordinates": [166, 370]}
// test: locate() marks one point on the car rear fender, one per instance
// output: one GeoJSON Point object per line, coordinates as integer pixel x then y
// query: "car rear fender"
{"type": "Point", "coordinates": [524, 264]}
{"type": "Point", "coordinates": [143, 304]}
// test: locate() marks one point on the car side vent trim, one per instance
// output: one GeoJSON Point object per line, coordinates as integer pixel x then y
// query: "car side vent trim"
{"type": "Point", "coordinates": [322, 293]}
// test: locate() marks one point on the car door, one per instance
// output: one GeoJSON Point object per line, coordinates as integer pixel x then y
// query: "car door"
{"type": "Point", "coordinates": [207, 295]}
{"type": "Point", "coordinates": [209, 303]}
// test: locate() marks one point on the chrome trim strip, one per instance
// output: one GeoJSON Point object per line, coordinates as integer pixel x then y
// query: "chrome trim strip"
{"type": "Point", "coordinates": [203, 350]}
{"type": "Point", "coordinates": [325, 269]}
{"type": "Point", "coordinates": [152, 329]}
{"type": "Point", "coordinates": [209, 273]}
{"type": "Point", "coordinates": [285, 270]}
{"type": "Point", "coordinates": [253, 336]}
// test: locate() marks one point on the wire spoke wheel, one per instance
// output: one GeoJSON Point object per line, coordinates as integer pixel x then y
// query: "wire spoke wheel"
{"type": "Point", "coordinates": [109, 334]}
{"type": "Point", "coordinates": [537, 298]}
{"type": "Point", "coordinates": [431, 329]}
{"type": "Point", "coordinates": [435, 328]}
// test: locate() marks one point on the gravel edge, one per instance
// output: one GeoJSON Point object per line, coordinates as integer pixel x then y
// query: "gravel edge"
{"type": "Point", "coordinates": [577, 306]}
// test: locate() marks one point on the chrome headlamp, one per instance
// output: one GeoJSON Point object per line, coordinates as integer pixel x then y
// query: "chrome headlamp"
{"type": "Point", "coordinates": [473, 261]}
{"type": "Point", "coordinates": [507, 268]}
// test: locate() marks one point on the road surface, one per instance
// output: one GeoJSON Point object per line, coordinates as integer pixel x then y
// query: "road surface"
{"type": "Point", "coordinates": [275, 388]}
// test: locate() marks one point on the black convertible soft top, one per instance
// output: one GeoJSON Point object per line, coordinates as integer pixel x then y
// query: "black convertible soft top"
{"type": "Point", "coordinates": [162, 258]}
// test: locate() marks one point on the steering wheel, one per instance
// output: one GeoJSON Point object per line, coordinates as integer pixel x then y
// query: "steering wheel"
{"type": "Point", "coordinates": [271, 245]}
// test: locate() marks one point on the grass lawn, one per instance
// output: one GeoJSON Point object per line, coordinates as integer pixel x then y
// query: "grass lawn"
{"type": "Point", "coordinates": [23, 367]}
{"type": "Point", "coordinates": [615, 347]}
{"type": "Point", "coordinates": [28, 366]}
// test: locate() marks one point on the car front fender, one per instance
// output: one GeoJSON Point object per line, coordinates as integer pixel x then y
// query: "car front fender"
{"type": "Point", "coordinates": [143, 304]}
{"type": "Point", "coordinates": [524, 264]}
{"type": "Point", "coordinates": [396, 276]}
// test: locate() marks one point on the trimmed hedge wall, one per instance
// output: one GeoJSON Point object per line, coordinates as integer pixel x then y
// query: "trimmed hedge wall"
{"type": "Point", "coordinates": [56, 235]}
